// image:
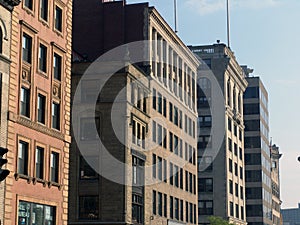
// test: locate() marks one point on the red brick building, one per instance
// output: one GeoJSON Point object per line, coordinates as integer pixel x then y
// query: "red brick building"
{"type": "Point", "coordinates": [39, 113]}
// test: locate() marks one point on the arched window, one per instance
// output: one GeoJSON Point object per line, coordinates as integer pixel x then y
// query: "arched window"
{"type": "Point", "coordinates": [1, 40]}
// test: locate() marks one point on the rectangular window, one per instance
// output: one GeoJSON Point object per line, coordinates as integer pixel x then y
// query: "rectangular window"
{"type": "Point", "coordinates": [41, 108]}
{"type": "Point", "coordinates": [230, 187]}
{"type": "Point", "coordinates": [86, 171]}
{"type": "Point", "coordinates": [154, 166]}
{"type": "Point", "coordinates": [205, 207]}
{"type": "Point", "coordinates": [237, 214]}
{"type": "Point", "coordinates": [229, 124]}
{"type": "Point", "coordinates": [154, 202]}
{"type": "Point", "coordinates": [87, 131]}
{"type": "Point", "coordinates": [176, 176]}
{"type": "Point", "coordinates": [57, 66]}
{"type": "Point", "coordinates": [89, 207]}
{"type": "Point", "coordinates": [205, 184]}
{"type": "Point", "coordinates": [236, 190]}
{"type": "Point", "coordinates": [28, 4]}
{"type": "Point", "coordinates": [56, 116]}
{"type": "Point", "coordinates": [177, 208]}
{"type": "Point", "coordinates": [154, 99]}
{"type": "Point", "coordinates": [241, 173]}
{"type": "Point", "coordinates": [154, 131]}
{"type": "Point", "coordinates": [230, 165]}
{"type": "Point", "coordinates": [241, 192]}
{"type": "Point", "coordinates": [44, 9]}
{"type": "Point", "coordinates": [160, 168]}
{"type": "Point", "coordinates": [235, 149]}
{"type": "Point", "coordinates": [165, 170]}
{"type": "Point", "coordinates": [159, 135]}
{"type": "Point", "coordinates": [231, 209]}
{"type": "Point", "coordinates": [58, 18]}
{"type": "Point", "coordinates": [26, 48]}
{"type": "Point", "coordinates": [171, 174]}
{"type": "Point", "coordinates": [160, 206]}
{"type": "Point", "coordinates": [165, 205]}
{"type": "Point", "coordinates": [236, 169]}
{"type": "Point", "coordinates": [171, 112]}
{"type": "Point", "coordinates": [43, 58]}
{"type": "Point", "coordinates": [229, 144]}
{"type": "Point", "coordinates": [39, 162]}
{"type": "Point", "coordinates": [181, 210]}
{"type": "Point", "coordinates": [159, 100]}
{"type": "Point", "coordinates": [23, 158]}
{"type": "Point", "coordinates": [171, 207]}
{"type": "Point", "coordinates": [187, 212]}
{"type": "Point", "coordinates": [54, 166]}
{"type": "Point", "coordinates": [33, 213]}
{"type": "Point", "coordinates": [25, 102]}
{"type": "Point", "coordinates": [137, 208]}
{"type": "Point", "coordinates": [241, 153]}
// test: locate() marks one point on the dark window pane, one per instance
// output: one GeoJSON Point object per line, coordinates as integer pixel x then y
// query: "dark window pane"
{"type": "Point", "coordinates": [41, 108]}
{"type": "Point", "coordinates": [23, 158]}
{"type": "Point", "coordinates": [56, 115]}
{"type": "Point", "coordinates": [25, 102]}
{"type": "Point", "coordinates": [58, 18]}
{"type": "Point", "coordinates": [43, 58]}
{"type": "Point", "coordinates": [88, 207]}
{"type": "Point", "coordinates": [26, 48]}
{"type": "Point", "coordinates": [57, 63]}
{"type": "Point", "coordinates": [39, 162]}
{"type": "Point", "coordinates": [54, 166]}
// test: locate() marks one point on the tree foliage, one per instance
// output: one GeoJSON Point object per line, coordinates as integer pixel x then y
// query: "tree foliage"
{"type": "Point", "coordinates": [214, 220]}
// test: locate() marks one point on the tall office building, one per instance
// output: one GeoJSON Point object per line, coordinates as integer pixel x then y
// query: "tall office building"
{"type": "Point", "coordinates": [257, 153]}
{"type": "Point", "coordinates": [159, 122]}
{"type": "Point", "coordinates": [221, 182]}
{"type": "Point", "coordinates": [276, 201]}
{"type": "Point", "coordinates": [291, 216]}
{"type": "Point", "coordinates": [38, 136]}
{"type": "Point", "coordinates": [6, 8]}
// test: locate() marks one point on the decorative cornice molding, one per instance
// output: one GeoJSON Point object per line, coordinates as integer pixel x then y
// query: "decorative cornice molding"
{"type": "Point", "coordinates": [9, 4]}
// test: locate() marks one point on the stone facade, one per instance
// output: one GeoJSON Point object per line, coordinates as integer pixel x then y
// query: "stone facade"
{"type": "Point", "coordinates": [160, 141]}
{"type": "Point", "coordinates": [38, 136]}
{"type": "Point", "coordinates": [275, 176]}
{"type": "Point", "coordinates": [221, 163]}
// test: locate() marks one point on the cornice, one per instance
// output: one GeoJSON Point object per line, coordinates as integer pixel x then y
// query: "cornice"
{"type": "Point", "coordinates": [9, 4]}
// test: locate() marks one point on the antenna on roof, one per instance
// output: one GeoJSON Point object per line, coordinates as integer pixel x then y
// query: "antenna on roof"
{"type": "Point", "coordinates": [175, 16]}
{"type": "Point", "coordinates": [228, 25]}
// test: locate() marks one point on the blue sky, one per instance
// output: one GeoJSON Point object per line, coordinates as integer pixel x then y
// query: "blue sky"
{"type": "Point", "coordinates": [264, 36]}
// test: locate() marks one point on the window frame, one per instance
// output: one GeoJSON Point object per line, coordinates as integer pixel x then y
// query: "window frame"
{"type": "Point", "coordinates": [57, 172]}
{"type": "Point", "coordinates": [42, 166]}
{"type": "Point", "coordinates": [42, 94]}
{"type": "Point", "coordinates": [30, 41]}
{"type": "Point", "coordinates": [56, 5]}
{"type": "Point", "coordinates": [41, 11]}
{"type": "Point", "coordinates": [27, 104]}
{"type": "Point", "coordinates": [58, 126]}
{"type": "Point", "coordinates": [27, 160]}
{"type": "Point", "coordinates": [43, 71]}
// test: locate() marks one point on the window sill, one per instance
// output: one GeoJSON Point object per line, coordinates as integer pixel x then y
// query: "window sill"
{"type": "Point", "coordinates": [22, 176]}
{"type": "Point", "coordinates": [39, 180]}
{"type": "Point", "coordinates": [51, 183]}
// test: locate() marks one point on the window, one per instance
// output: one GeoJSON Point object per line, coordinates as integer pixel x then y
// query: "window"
{"type": "Point", "coordinates": [230, 165]}
{"type": "Point", "coordinates": [43, 58]}
{"type": "Point", "coordinates": [26, 48]}
{"type": "Point", "coordinates": [58, 18]}
{"type": "Point", "coordinates": [1, 40]}
{"type": "Point", "coordinates": [86, 171]}
{"type": "Point", "coordinates": [154, 166]}
{"type": "Point", "coordinates": [177, 208]}
{"type": "Point", "coordinates": [153, 131]}
{"type": "Point", "coordinates": [165, 107]}
{"type": "Point", "coordinates": [171, 112]}
{"type": "Point", "coordinates": [159, 168]}
{"type": "Point", "coordinates": [154, 99]}
{"type": "Point", "coordinates": [137, 208]}
{"type": "Point", "coordinates": [23, 158]}
{"type": "Point", "coordinates": [41, 108]}
{"type": "Point", "coordinates": [33, 213]}
{"type": "Point", "coordinates": [159, 100]}
{"type": "Point", "coordinates": [235, 149]}
{"type": "Point", "coordinates": [87, 131]}
{"type": "Point", "coordinates": [176, 177]}
{"type": "Point", "coordinates": [237, 210]}
{"type": "Point", "coordinates": [25, 102]}
{"type": "Point", "coordinates": [154, 202]}
{"type": "Point", "coordinates": [253, 176]}
{"type": "Point", "coordinates": [231, 209]}
{"type": "Point", "coordinates": [56, 115]}
{"type": "Point", "coordinates": [230, 187]}
{"type": "Point", "coordinates": [205, 185]}
{"type": "Point", "coordinates": [241, 173]}
{"type": "Point", "coordinates": [39, 162]}
{"type": "Point", "coordinates": [171, 174]}
{"type": "Point", "coordinates": [54, 166]}
{"type": "Point", "coordinates": [187, 212]}
{"type": "Point", "coordinates": [204, 141]}
{"type": "Point", "coordinates": [236, 190]}
{"type": "Point", "coordinates": [252, 142]}
{"type": "Point", "coordinates": [229, 144]}
{"type": "Point", "coordinates": [241, 153]}
{"type": "Point", "coordinates": [205, 208]}
{"type": "Point", "coordinates": [204, 121]}
{"type": "Point", "coordinates": [229, 124]}
{"type": "Point", "coordinates": [57, 66]}
{"type": "Point", "coordinates": [236, 169]}
{"type": "Point", "coordinates": [165, 205]}
{"type": "Point", "coordinates": [28, 4]}
{"type": "Point", "coordinates": [181, 210]}
{"type": "Point", "coordinates": [160, 206]}
{"type": "Point", "coordinates": [253, 159]}
{"type": "Point", "coordinates": [44, 9]}
{"type": "Point", "coordinates": [88, 207]}
{"type": "Point", "coordinates": [241, 192]}
{"type": "Point", "coordinates": [252, 108]}
{"type": "Point", "coordinates": [205, 164]}
{"type": "Point", "coordinates": [242, 212]}
{"type": "Point", "coordinates": [165, 170]}
{"type": "Point", "coordinates": [251, 92]}
{"type": "Point", "coordinates": [171, 207]}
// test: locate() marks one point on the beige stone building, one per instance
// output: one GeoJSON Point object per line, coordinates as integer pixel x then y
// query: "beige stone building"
{"type": "Point", "coordinates": [275, 177]}
{"type": "Point", "coordinates": [221, 175]}
{"type": "Point", "coordinates": [159, 121]}
{"type": "Point", "coordinates": [38, 135]}
{"type": "Point", "coordinates": [6, 8]}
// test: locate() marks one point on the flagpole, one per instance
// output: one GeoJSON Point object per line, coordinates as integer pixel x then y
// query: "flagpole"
{"type": "Point", "coordinates": [175, 16]}
{"type": "Point", "coordinates": [228, 25]}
